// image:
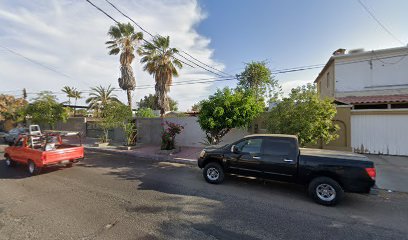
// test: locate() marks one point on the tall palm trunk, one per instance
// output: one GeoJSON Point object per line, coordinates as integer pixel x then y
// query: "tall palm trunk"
{"type": "Point", "coordinates": [129, 97]}
{"type": "Point", "coordinates": [127, 81]}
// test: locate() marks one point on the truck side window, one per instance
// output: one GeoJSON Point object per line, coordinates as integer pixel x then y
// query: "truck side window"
{"type": "Point", "coordinates": [250, 146]}
{"type": "Point", "coordinates": [276, 147]}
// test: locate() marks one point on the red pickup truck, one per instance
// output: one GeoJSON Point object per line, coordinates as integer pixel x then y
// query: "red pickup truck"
{"type": "Point", "coordinates": [41, 151]}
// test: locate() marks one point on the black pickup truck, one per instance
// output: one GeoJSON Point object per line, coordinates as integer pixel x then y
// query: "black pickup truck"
{"type": "Point", "coordinates": [328, 174]}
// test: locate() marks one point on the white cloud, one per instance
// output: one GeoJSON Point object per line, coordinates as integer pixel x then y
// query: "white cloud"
{"type": "Point", "coordinates": [69, 36]}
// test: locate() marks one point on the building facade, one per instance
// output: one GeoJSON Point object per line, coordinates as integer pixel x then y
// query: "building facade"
{"type": "Point", "coordinates": [371, 92]}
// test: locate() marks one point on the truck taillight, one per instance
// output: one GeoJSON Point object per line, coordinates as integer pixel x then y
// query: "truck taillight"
{"type": "Point", "coordinates": [371, 172]}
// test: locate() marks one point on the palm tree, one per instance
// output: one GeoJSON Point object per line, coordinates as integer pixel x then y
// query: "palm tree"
{"type": "Point", "coordinates": [124, 40]}
{"type": "Point", "coordinates": [77, 95]}
{"type": "Point", "coordinates": [160, 62]}
{"type": "Point", "coordinates": [70, 93]}
{"type": "Point", "coordinates": [100, 97]}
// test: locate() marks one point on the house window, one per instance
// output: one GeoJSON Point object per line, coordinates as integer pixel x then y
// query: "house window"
{"type": "Point", "coordinates": [399, 105]}
{"type": "Point", "coordinates": [328, 79]}
{"type": "Point", "coordinates": [371, 106]}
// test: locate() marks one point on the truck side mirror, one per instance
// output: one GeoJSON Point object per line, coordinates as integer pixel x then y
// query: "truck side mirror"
{"type": "Point", "coordinates": [10, 144]}
{"type": "Point", "coordinates": [234, 149]}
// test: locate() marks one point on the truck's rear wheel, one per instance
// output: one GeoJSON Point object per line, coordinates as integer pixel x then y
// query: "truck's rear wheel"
{"type": "Point", "coordinates": [213, 173]}
{"type": "Point", "coordinates": [32, 168]}
{"type": "Point", "coordinates": [325, 191]}
{"type": "Point", "coordinates": [10, 162]}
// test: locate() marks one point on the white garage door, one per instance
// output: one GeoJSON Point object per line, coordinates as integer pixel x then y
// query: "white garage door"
{"type": "Point", "coordinates": [380, 134]}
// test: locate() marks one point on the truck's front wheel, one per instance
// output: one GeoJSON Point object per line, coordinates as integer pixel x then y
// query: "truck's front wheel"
{"type": "Point", "coordinates": [32, 168]}
{"type": "Point", "coordinates": [325, 191]}
{"type": "Point", "coordinates": [213, 173]}
{"type": "Point", "coordinates": [9, 162]}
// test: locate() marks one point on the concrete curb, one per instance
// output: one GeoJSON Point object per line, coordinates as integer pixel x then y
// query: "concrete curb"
{"type": "Point", "coordinates": [158, 158]}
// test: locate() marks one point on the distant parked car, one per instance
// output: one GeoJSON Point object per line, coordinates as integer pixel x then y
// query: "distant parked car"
{"type": "Point", "coordinates": [13, 134]}
{"type": "Point", "coordinates": [3, 136]}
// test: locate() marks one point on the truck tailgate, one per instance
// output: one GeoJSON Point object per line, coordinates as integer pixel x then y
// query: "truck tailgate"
{"type": "Point", "coordinates": [58, 155]}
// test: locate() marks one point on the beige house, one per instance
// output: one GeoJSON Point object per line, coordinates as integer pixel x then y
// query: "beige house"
{"type": "Point", "coordinates": [371, 92]}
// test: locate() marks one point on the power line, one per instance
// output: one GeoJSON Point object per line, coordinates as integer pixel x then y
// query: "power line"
{"type": "Point", "coordinates": [102, 11]}
{"type": "Point", "coordinates": [35, 62]}
{"type": "Point", "coordinates": [379, 22]}
{"type": "Point", "coordinates": [144, 30]}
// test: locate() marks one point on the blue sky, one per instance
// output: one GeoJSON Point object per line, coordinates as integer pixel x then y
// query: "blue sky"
{"type": "Point", "coordinates": [295, 33]}
{"type": "Point", "coordinates": [69, 36]}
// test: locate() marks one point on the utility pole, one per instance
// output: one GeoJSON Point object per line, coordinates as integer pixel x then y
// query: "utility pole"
{"type": "Point", "coordinates": [24, 94]}
{"type": "Point", "coordinates": [25, 98]}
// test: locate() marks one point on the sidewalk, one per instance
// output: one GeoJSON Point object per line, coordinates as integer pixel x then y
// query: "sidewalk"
{"type": "Point", "coordinates": [187, 155]}
{"type": "Point", "coordinates": [392, 172]}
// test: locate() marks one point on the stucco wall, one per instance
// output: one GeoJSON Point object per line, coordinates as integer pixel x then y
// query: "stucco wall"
{"type": "Point", "coordinates": [342, 119]}
{"type": "Point", "coordinates": [75, 124]}
{"type": "Point", "coordinates": [149, 132]}
{"type": "Point", "coordinates": [325, 82]}
{"type": "Point", "coordinates": [374, 74]}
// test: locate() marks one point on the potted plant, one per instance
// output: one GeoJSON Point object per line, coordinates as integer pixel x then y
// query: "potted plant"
{"type": "Point", "coordinates": [168, 137]}
{"type": "Point", "coordinates": [114, 114]}
{"type": "Point", "coordinates": [130, 131]}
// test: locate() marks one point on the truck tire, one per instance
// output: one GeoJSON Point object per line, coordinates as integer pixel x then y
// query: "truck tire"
{"type": "Point", "coordinates": [325, 191]}
{"type": "Point", "coordinates": [9, 162]}
{"type": "Point", "coordinates": [213, 173]}
{"type": "Point", "coordinates": [32, 168]}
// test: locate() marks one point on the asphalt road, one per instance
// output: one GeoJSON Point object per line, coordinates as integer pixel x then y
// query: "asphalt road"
{"type": "Point", "coordinates": [116, 197]}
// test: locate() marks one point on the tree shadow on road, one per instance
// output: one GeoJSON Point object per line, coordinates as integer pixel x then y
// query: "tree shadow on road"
{"type": "Point", "coordinates": [232, 210]}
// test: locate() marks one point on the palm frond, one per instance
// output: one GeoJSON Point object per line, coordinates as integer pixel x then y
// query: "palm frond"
{"type": "Point", "coordinates": [114, 51]}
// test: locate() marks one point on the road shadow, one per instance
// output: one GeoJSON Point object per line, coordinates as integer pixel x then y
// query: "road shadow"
{"type": "Point", "coordinates": [19, 171]}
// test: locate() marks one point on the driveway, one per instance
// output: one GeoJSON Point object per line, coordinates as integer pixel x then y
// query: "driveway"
{"type": "Point", "coordinates": [111, 196]}
{"type": "Point", "coordinates": [392, 172]}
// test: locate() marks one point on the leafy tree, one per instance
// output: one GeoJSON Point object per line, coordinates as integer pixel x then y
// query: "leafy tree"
{"type": "Point", "coordinates": [159, 61]}
{"type": "Point", "coordinates": [227, 109]}
{"type": "Point", "coordinates": [46, 110]}
{"type": "Point", "coordinates": [114, 114]}
{"type": "Point", "coordinates": [258, 77]}
{"type": "Point", "coordinates": [82, 112]}
{"type": "Point", "coordinates": [145, 113]}
{"type": "Point", "coordinates": [196, 107]}
{"type": "Point", "coordinates": [304, 114]}
{"type": "Point", "coordinates": [100, 97]}
{"type": "Point", "coordinates": [151, 101]}
{"type": "Point", "coordinates": [123, 41]}
{"type": "Point", "coordinates": [12, 108]}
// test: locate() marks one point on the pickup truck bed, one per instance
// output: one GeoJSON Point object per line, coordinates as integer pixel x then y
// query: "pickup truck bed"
{"type": "Point", "coordinates": [37, 156]}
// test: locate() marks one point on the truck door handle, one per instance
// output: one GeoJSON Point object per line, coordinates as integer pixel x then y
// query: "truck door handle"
{"type": "Point", "coordinates": [287, 160]}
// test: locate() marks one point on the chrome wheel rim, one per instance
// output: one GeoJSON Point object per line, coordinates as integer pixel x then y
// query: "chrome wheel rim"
{"type": "Point", "coordinates": [213, 174]}
{"type": "Point", "coordinates": [8, 162]}
{"type": "Point", "coordinates": [325, 192]}
{"type": "Point", "coordinates": [31, 167]}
